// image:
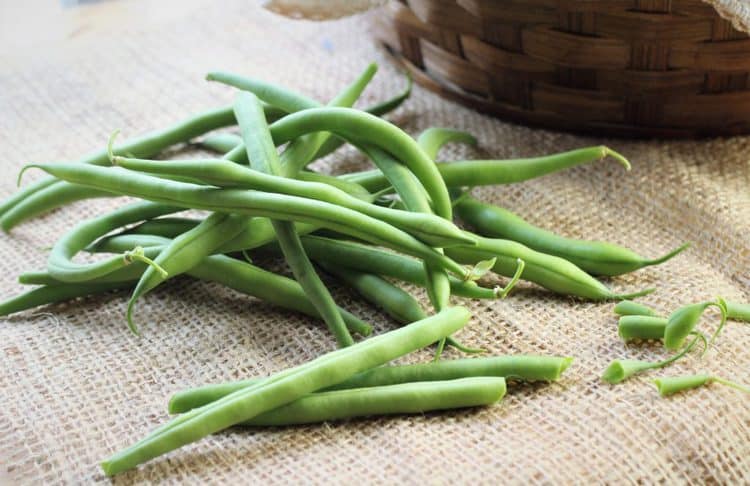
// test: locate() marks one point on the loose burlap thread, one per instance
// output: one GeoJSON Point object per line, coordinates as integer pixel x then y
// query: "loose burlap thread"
{"type": "Point", "coordinates": [76, 386]}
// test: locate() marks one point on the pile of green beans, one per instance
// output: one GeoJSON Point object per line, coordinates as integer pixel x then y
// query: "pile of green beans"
{"type": "Point", "coordinates": [371, 231]}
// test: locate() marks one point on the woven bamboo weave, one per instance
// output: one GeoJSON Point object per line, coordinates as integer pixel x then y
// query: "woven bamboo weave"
{"type": "Point", "coordinates": [667, 68]}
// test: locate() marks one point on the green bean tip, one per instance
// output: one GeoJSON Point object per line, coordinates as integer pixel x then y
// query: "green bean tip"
{"type": "Point", "coordinates": [633, 295]}
{"type": "Point", "coordinates": [111, 145]}
{"type": "Point", "coordinates": [669, 255]}
{"type": "Point", "coordinates": [23, 171]}
{"type": "Point", "coordinates": [480, 269]}
{"type": "Point", "coordinates": [606, 151]}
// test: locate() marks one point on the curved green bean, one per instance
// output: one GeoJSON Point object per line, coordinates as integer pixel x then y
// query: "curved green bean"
{"type": "Point", "coordinates": [594, 257]}
{"type": "Point", "coordinates": [287, 387]}
{"type": "Point", "coordinates": [470, 173]}
{"type": "Point", "coordinates": [551, 272]}
{"type": "Point", "coordinates": [254, 203]}
{"type": "Point", "coordinates": [683, 320]}
{"type": "Point", "coordinates": [512, 367]}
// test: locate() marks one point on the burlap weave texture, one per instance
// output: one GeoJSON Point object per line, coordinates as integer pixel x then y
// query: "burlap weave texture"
{"type": "Point", "coordinates": [76, 386]}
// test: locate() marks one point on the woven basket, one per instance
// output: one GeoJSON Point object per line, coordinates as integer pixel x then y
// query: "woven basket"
{"type": "Point", "coordinates": [667, 68]}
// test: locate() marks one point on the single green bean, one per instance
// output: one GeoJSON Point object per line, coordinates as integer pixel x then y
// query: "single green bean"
{"type": "Point", "coordinates": [396, 302]}
{"type": "Point", "coordinates": [254, 203]}
{"type": "Point", "coordinates": [622, 369]}
{"type": "Point", "coordinates": [385, 400]}
{"type": "Point", "coordinates": [630, 308]}
{"type": "Point", "coordinates": [669, 385]}
{"type": "Point", "coordinates": [287, 387]}
{"type": "Point", "coordinates": [221, 173]}
{"type": "Point", "coordinates": [470, 173]}
{"type": "Point", "coordinates": [594, 257]}
{"type": "Point", "coordinates": [551, 272]}
{"type": "Point", "coordinates": [683, 320]}
{"type": "Point", "coordinates": [641, 327]}
{"type": "Point", "coordinates": [516, 367]}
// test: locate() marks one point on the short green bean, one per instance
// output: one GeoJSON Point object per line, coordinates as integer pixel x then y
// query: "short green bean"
{"type": "Point", "coordinates": [669, 385]}
{"type": "Point", "coordinates": [641, 327]}
{"type": "Point", "coordinates": [630, 308]}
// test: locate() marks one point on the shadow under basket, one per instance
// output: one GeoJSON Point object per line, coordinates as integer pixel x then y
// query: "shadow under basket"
{"type": "Point", "coordinates": [638, 68]}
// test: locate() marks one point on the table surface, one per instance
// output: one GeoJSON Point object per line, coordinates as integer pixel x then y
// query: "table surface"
{"type": "Point", "coordinates": [76, 386]}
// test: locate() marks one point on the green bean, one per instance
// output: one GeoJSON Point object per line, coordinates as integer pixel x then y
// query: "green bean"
{"type": "Point", "coordinates": [287, 387]}
{"type": "Point", "coordinates": [669, 385]}
{"type": "Point", "coordinates": [50, 294]}
{"type": "Point", "coordinates": [622, 369]}
{"type": "Point", "coordinates": [261, 152]}
{"type": "Point", "coordinates": [594, 257]}
{"type": "Point", "coordinates": [432, 139]}
{"type": "Point", "coordinates": [186, 251]}
{"type": "Point", "coordinates": [551, 272]}
{"type": "Point", "coordinates": [221, 173]}
{"type": "Point", "coordinates": [517, 367]}
{"type": "Point", "coordinates": [385, 400]}
{"type": "Point", "coordinates": [52, 193]}
{"type": "Point", "coordinates": [630, 308]}
{"type": "Point", "coordinates": [737, 311]}
{"type": "Point", "coordinates": [683, 320]}
{"type": "Point", "coordinates": [490, 172]}
{"type": "Point", "coordinates": [393, 300]}
{"type": "Point", "coordinates": [60, 263]}
{"type": "Point", "coordinates": [641, 327]}
{"type": "Point", "coordinates": [220, 143]}
{"type": "Point", "coordinates": [235, 274]}
{"type": "Point", "coordinates": [369, 259]}
{"type": "Point", "coordinates": [254, 203]}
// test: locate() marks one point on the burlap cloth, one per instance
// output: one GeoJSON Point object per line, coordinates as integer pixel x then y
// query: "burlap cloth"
{"type": "Point", "coordinates": [76, 386]}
